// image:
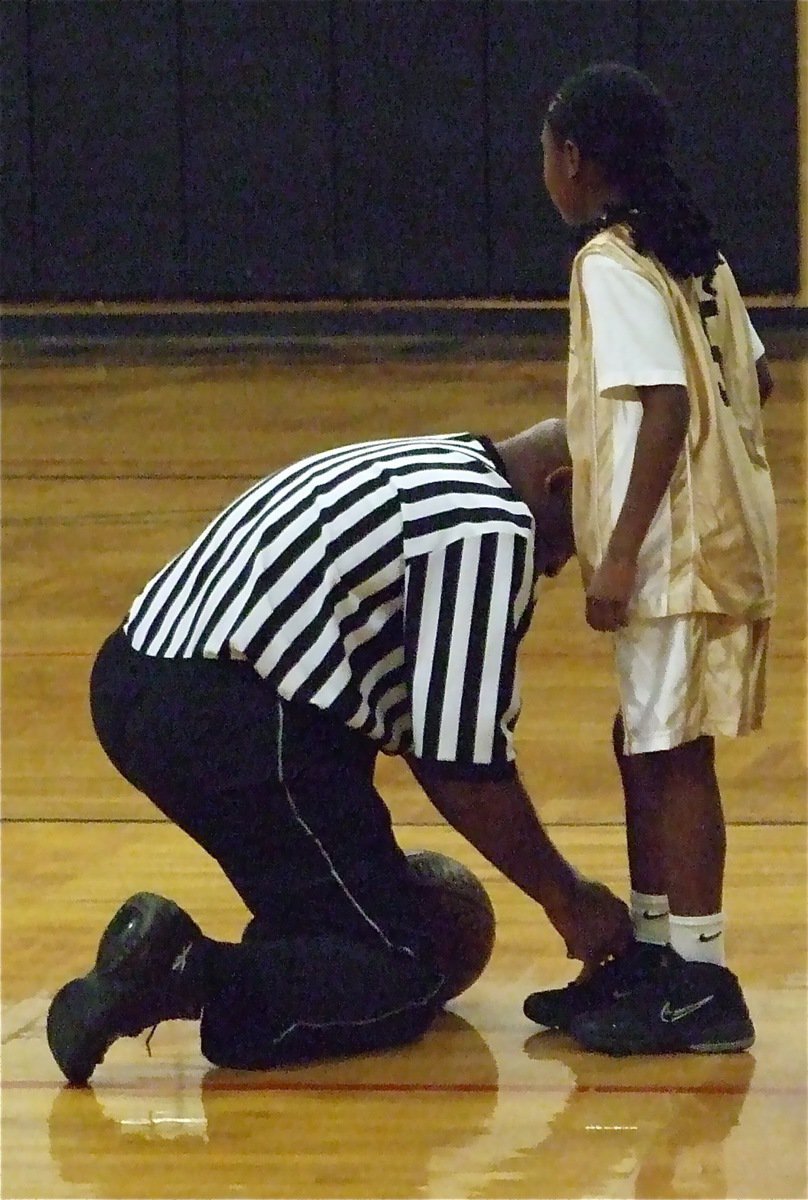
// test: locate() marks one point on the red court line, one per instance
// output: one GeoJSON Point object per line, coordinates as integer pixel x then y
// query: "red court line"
{"type": "Point", "coordinates": [48, 653]}
{"type": "Point", "coordinates": [158, 1087]}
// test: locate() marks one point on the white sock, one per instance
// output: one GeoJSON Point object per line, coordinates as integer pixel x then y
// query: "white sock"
{"type": "Point", "coordinates": [699, 939]}
{"type": "Point", "coordinates": [649, 916]}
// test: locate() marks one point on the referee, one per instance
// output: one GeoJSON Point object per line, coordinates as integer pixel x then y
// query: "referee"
{"type": "Point", "coordinates": [370, 598]}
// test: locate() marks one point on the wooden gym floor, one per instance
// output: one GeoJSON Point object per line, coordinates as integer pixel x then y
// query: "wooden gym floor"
{"type": "Point", "coordinates": [111, 462]}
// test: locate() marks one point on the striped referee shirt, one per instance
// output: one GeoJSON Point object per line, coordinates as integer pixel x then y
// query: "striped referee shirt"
{"type": "Point", "coordinates": [388, 583]}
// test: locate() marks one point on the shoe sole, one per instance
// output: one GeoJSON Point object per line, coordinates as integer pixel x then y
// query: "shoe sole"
{"type": "Point", "coordinates": [730, 1040]}
{"type": "Point", "coordinates": [554, 1023]}
{"type": "Point", "coordinates": [731, 1046]}
{"type": "Point", "coordinates": [83, 1012]}
{"type": "Point", "coordinates": [558, 1025]}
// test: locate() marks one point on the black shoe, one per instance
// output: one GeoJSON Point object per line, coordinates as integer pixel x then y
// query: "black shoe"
{"type": "Point", "coordinates": [689, 1006]}
{"type": "Point", "coordinates": [142, 975]}
{"type": "Point", "coordinates": [613, 980]}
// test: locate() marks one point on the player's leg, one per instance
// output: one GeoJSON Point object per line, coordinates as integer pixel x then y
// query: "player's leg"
{"type": "Point", "coordinates": [642, 799]}
{"type": "Point", "coordinates": [706, 678]}
{"type": "Point", "coordinates": [693, 820]}
{"type": "Point", "coordinates": [683, 680]}
{"type": "Point", "coordinates": [557, 1008]}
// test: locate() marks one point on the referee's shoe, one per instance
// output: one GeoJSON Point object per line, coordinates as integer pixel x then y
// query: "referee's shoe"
{"type": "Point", "coordinates": [144, 973]}
{"type": "Point", "coordinates": [688, 1006]}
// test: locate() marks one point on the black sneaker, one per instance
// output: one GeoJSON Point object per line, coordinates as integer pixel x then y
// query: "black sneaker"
{"type": "Point", "coordinates": [689, 1006]}
{"type": "Point", "coordinates": [142, 975]}
{"type": "Point", "coordinates": [557, 1008]}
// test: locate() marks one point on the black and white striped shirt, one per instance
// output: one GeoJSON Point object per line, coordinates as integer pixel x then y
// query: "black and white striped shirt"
{"type": "Point", "coordinates": [388, 582]}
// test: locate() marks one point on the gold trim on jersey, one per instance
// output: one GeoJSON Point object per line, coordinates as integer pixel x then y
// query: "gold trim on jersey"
{"type": "Point", "coordinates": [717, 551]}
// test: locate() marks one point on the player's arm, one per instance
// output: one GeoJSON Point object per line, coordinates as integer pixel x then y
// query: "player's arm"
{"type": "Point", "coordinates": [637, 358]}
{"type": "Point", "coordinates": [661, 436]}
{"type": "Point", "coordinates": [498, 819]}
{"type": "Point", "coordinates": [764, 375]}
{"type": "Point", "coordinates": [765, 381]}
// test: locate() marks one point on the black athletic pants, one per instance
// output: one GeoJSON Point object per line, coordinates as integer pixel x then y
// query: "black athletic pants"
{"type": "Point", "coordinates": [282, 797]}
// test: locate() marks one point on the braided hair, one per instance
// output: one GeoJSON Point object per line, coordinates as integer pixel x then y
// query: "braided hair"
{"type": "Point", "coordinates": [617, 118]}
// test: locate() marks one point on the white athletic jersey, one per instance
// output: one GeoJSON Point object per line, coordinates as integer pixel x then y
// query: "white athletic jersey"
{"type": "Point", "coordinates": [712, 544]}
{"type": "Point", "coordinates": [633, 341]}
{"type": "Point", "coordinates": [388, 583]}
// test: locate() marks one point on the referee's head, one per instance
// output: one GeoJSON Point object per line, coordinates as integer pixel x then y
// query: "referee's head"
{"type": "Point", "coordinates": [539, 469]}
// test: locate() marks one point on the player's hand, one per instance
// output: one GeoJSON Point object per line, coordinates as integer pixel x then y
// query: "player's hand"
{"type": "Point", "coordinates": [609, 592]}
{"type": "Point", "coordinates": [595, 924]}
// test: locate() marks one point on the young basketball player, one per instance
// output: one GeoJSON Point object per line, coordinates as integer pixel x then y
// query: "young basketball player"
{"type": "Point", "coordinates": [674, 521]}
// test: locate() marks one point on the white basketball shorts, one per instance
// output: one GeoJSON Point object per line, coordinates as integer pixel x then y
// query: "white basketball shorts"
{"type": "Point", "coordinates": [684, 676]}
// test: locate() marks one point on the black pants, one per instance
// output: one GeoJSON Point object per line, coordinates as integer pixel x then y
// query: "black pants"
{"type": "Point", "coordinates": [282, 797]}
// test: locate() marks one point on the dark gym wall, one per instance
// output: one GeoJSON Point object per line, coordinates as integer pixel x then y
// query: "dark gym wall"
{"type": "Point", "coordinates": [263, 149]}
{"type": "Point", "coordinates": [16, 196]}
{"type": "Point", "coordinates": [528, 58]}
{"type": "Point", "coordinates": [730, 70]}
{"type": "Point", "coordinates": [410, 143]}
{"type": "Point", "coordinates": [105, 148]}
{"type": "Point", "coordinates": [258, 141]}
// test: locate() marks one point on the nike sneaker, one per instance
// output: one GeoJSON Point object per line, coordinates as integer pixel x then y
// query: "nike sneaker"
{"type": "Point", "coordinates": [689, 1006]}
{"type": "Point", "coordinates": [145, 972]}
{"type": "Point", "coordinates": [615, 979]}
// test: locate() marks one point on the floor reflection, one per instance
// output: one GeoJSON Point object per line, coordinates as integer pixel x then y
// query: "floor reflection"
{"type": "Point", "coordinates": [662, 1121]}
{"type": "Point", "coordinates": [223, 1133]}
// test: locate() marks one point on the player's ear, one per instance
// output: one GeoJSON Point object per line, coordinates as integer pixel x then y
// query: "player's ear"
{"type": "Point", "coordinates": [558, 481]}
{"type": "Point", "coordinates": [572, 158]}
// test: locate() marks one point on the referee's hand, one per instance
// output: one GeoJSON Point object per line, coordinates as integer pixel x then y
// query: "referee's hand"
{"type": "Point", "coordinates": [597, 926]}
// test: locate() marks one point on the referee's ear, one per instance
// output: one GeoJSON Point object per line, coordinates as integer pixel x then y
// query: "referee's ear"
{"type": "Point", "coordinates": [558, 481]}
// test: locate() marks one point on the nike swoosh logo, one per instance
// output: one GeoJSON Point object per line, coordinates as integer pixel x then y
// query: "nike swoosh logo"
{"type": "Point", "coordinates": [709, 937]}
{"type": "Point", "coordinates": [669, 1014]}
{"type": "Point", "coordinates": [654, 916]}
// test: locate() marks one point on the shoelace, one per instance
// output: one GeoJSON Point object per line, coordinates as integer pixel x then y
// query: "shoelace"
{"type": "Point", "coordinates": [151, 1032]}
{"type": "Point", "coordinates": [632, 968]}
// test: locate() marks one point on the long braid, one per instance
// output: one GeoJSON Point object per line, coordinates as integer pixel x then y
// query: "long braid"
{"type": "Point", "coordinates": [617, 118]}
{"type": "Point", "coordinates": [671, 225]}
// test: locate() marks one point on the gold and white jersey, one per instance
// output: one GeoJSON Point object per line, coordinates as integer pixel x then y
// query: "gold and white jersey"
{"type": "Point", "coordinates": [712, 544]}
